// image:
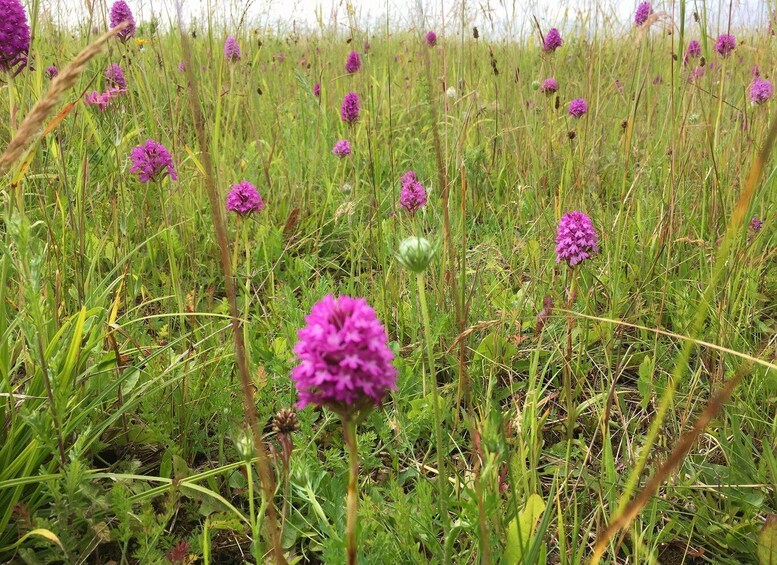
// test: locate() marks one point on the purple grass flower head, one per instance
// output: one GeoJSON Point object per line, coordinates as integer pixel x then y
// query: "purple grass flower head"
{"type": "Point", "coordinates": [761, 90]}
{"type": "Point", "coordinates": [243, 199]}
{"type": "Point", "coordinates": [181, 67]}
{"type": "Point", "coordinates": [412, 195]}
{"type": "Point", "coordinates": [725, 44]}
{"type": "Point", "coordinates": [14, 35]}
{"type": "Point", "coordinates": [578, 108]}
{"type": "Point", "coordinates": [344, 359]}
{"type": "Point", "coordinates": [231, 49]}
{"type": "Point", "coordinates": [431, 39]}
{"type": "Point", "coordinates": [115, 76]}
{"type": "Point", "coordinates": [51, 72]}
{"type": "Point", "coordinates": [342, 148]}
{"type": "Point", "coordinates": [120, 12]}
{"type": "Point", "coordinates": [281, 57]}
{"type": "Point", "coordinates": [349, 111]}
{"type": "Point", "coordinates": [353, 63]}
{"type": "Point", "coordinates": [552, 40]}
{"type": "Point", "coordinates": [576, 239]}
{"type": "Point", "coordinates": [756, 224]}
{"type": "Point", "coordinates": [643, 12]}
{"type": "Point", "coordinates": [152, 162]}
{"type": "Point", "coordinates": [549, 86]}
{"type": "Point", "coordinates": [693, 51]}
{"type": "Point", "coordinates": [317, 90]}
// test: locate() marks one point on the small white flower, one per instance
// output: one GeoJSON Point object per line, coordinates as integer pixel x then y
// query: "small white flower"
{"type": "Point", "coordinates": [451, 92]}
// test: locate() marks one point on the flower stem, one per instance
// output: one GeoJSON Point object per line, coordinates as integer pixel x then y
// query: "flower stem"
{"type": "Point", "coordinates": [442, 476]}
{"type": "Point", "coordinates": [352, 500]}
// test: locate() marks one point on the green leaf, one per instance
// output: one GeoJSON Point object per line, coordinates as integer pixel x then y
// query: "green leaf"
{"type": "Point", "coordinates": [767, 542]}
{"type": "Point", "coordinates": [521, 529]}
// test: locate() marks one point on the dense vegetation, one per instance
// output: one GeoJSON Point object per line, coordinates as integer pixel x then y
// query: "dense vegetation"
{"type": "Point", "coordinates": [559, 389]}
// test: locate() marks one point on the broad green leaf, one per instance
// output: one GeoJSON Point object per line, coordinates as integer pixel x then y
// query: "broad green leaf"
{"type": "Point", "coordinates": [521, 529]}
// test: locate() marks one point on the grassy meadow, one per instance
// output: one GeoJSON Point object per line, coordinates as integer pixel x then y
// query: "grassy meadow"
{"type": "Point", "coordinates": [142, 354]}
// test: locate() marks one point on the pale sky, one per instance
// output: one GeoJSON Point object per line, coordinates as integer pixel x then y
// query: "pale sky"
{"type": "Point", "coordinates": [493, 17]}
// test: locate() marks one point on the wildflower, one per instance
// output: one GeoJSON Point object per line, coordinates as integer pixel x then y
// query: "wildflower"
{"type": "Point", "coordinates": [755, 71]}
{"type": "Point", "coordinates": [231, 49]}
{"type": "Point", "coordinates": [549, 86]}
{"type": "Point", "coordinates": [725, 44]}
{"type": "Point", "coordinates": [51, 72]}
{"type": "Point", "coordinates": [317, 90]}
{"type": "Point", "coordinates": [761, 90]}
{"type": "Point", "coordinates": [413, 195]}
{"type": "Point", "coordinates": [578, 107]}
{"type": "Point", "coordinates": [342, 148]}
{"type": "Point", "coordinates": [120, 12]}
{"type": "Point", "coordinates": [344, 358]}
{"type": "Point", "coordinates": [243, 198]}
{"type": "Point", "coordinates": [576, 239]}
{"type": "Point", "coordinates": [102, 100]}
{"type": "Point", "coordinates": [141, 42]}
{"type": "Point", "coordinates": [14, 35]}
{"type": "Point", "coordinates": [431, 39]}
{"type": "Point", "coordinates": [285, 421]}
{"type": "Point", "coordinates": [181, 67]}
{"type": "Point", "coordinates": [643, 12]}
{"type": "Point", "coordinates": [152, 162]}
{"type": "Point", "coordinates": [115, 76]}
{"type": "Point", "coordinates": [353, 63]}
{"type": "Point", "coordinates": [281, 57]}
{"type": "Point", "coordinates": [693, 51]}
{"type": "Point", "coordinates": [756, 224]}
{"type": "Point", "coordinates": [349, 111]}
{"type": "Point", "coordinates": [696, 73]}
{"type": "Point", "coordinates": [450, 93]}
{"type": "Point", "coordinates": [552, 40]}
{"type": "Point", "coordinates": [618, 86]}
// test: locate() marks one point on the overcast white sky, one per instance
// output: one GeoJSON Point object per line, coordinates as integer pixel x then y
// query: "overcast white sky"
{"type": "Point", "coordinates": [495, 17]}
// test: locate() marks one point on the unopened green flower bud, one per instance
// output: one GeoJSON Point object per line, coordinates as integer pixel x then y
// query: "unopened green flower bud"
{"type": "Point", "coordinates": [415, 254]}
{"type": "Point", "coordinates": [535, 84]}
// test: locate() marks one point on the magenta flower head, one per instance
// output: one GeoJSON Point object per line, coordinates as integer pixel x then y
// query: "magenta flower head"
{"type": "Point", "coordinates": [725, 44]}
{"type": "Point", "coordinates": [756, 224]}
{"type": "Point", "coordinates": [693, 51]}
{"type": "Point", "coordinates": [152, 162]}
{"type": "Point", "coordinates": [344, 359]}
{"type": "Point", "coordinates": [14, 35]}
{"type": "Point", "coordinates": [115, 76]}
{"type": "Point", "coordinates": [51, 72]}
{"type": "Point", "coordinates": [576, 239]}
{"type": "Point", "coordinates": [181, 67]}
{"type": "Point", "coordinates": [578, 108]}
{"type": "Point", "coordinates": [231, 49]}
{"type": "Point", "coordinates": [120, 12]}
{"type": "Point", "coordinates": [697, 73]}
{"type": "Point", "coordinates": [353, 63]}
{"type": "Point", "coordinates": [349, 111]}
{"type": "Point", "coordinates": [549, 86]}
{"type": "Point", "coordinates": [761, 90]}
{"type": "Point", "coordinates": [641, 15]}
{"type": "Point", "coordinates": [243, 198]}
{"type": "Point", "coordinates": [552, 40]}
{"type": "Point", "coordinates": [412, 195]}
{"type": "Point", "coordinates": [431, 39]}
{"type": "Point", "coordinates": [317, 90]}
{"type": "Point", "coordinates": [342, 148]}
